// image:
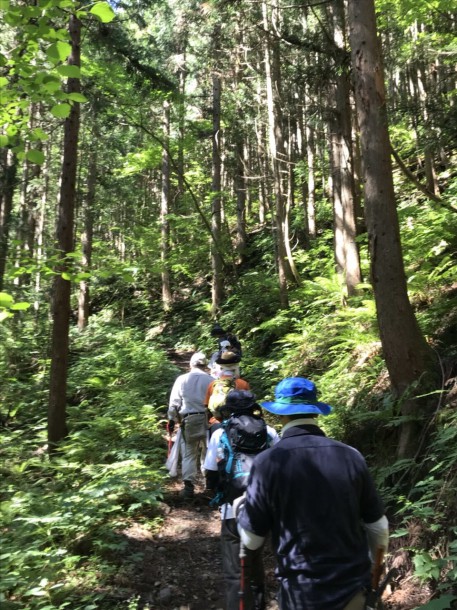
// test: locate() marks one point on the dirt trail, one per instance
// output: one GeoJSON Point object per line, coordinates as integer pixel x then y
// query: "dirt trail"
{"type": "Point", "coordinates": [181, 567]}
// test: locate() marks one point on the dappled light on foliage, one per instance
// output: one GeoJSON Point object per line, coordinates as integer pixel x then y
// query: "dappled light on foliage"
{"type": "Point", "coordinates": [220, 175]}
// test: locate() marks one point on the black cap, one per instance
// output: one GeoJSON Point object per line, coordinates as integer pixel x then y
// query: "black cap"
{"type": "Point", "coordinates": [228, 357]}
{"type": "Point", "coordinates": [240, 400]}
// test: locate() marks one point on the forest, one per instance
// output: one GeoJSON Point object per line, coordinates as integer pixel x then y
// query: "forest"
{"type": "Point", "coordinates": [286, 168]}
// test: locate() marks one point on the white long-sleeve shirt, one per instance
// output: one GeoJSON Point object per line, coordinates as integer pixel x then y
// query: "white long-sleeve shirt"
{"type": "Point", "coordinates": [188, 394]}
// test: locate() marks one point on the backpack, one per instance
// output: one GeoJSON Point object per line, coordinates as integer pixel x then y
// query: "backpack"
{"type": "Point", "coordinates": [243, 438]}
{"type": "Point", "coordinates": [221, 387]}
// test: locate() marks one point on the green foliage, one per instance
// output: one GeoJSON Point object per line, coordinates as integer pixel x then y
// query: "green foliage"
{"type": "Point", "coordinates": [64, 520]}
{"type": "Point", "coordinates": [8, 306]}
{"type": "Point", "coordinates": [117, 366]}
{"type": "Point", "coordinates": [442, 603]}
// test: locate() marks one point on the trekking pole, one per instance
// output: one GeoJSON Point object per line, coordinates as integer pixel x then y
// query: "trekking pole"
{"type": "Point", "coordinates": [170, 442]}
{"type": "Point", "coordinates": [242, 576]}
{"type": "Point", "coordinates": [374, 594]}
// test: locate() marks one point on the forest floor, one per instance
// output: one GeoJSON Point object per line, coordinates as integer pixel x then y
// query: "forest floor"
{"type": "Point", "coordinates": [181, 565]}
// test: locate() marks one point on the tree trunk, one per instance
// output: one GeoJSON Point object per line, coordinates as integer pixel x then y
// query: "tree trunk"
{"type": "Point", "coordinates": [167, 297]}
{"type": "Point", "coordinates": [57, 428]}
{"type": "Point", "coordinates": [277, 154]}
{"type": "Point", "coordinates": [303, 182]}
{"type": "Point", "coordinates": [87, 235]}
{"type": "Point", "coordinates": [39, 254]}
{"type": "Point", "coordinates": [311, 202]}
{"type": "Point", "coordinates": [408, 357]}
{"type": "Point", "coordinates": [346, 251]}
{"type": "Point", "coordinates": [240, 188]}
{"type": "Point", "coordinates": [216, 219]}
{"type": "Point", "coordinates": [8, 175]}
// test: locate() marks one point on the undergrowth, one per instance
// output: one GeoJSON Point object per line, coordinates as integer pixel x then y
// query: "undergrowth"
{"type": "Point", "coordinates": [64, 520]}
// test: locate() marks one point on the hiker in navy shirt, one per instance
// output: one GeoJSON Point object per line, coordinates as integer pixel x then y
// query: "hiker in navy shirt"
{"type": "Point", "coordinates": [317, 498]}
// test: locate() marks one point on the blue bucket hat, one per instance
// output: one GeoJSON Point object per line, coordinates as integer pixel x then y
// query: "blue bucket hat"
{"type": "Point", "coordinates": [295, 395]}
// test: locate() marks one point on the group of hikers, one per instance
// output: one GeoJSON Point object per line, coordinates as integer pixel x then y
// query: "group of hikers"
{"type": "Point", "coordinates": [312, 495]}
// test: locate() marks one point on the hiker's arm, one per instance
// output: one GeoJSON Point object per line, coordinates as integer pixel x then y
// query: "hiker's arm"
{"type": "Point", "coordinates": [249, 540]}
{"type": "Point", "coordinates": [377, 535]}
{"type": "Point", "coordinates": [253, 513]}
{"type": "Point", "coordinates": [175, 401]}
{"type": "Point", "coordinates": [373, 515]}
{"type": "Point", "coordinates": [209, 389]}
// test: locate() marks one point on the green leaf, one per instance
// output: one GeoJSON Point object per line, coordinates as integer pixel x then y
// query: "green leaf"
{"type": "Point", "coordinates": [22, 306]}
{"type": "Point", "coordinates": [3, 140]}
{"type": "Point", "coordinates": [442, 603]}
{"type": "Point", "coordinates": [83, 275]}
{"type": "Point", "coordinates": [66, 276]}
{"type": "Point", "coordinates": [4, 5]}
{"type": "Point", "coordinates": [58, 51]}
{"type": "Point", "coordinates": [69, 71]}
{"type": "Point", "coordinates": [35, 156]}
{"type": "Point", "coordinates": [61, 111]}
{"type": "Point", "coordinates": [3, 80]}
{"type": "Point", "coordinates": [6, 300]}
{"type": "Point", "coordinates": [103, 11]}
{"type": "Point", "coordinates": [39, 134]}
{"type": "Point", "coordinates": [77, 97]}
{"type": "Point", "coordinates": [52, 86]}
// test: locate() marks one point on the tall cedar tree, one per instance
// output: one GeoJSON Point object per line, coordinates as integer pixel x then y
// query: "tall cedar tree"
{"type": "Point", "coordinates": [408, 357]}
{"type": "Point", "coordinates": [57, 428]}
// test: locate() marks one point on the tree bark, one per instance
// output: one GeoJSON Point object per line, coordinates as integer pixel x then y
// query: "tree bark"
{"type": "Point", "coordinates": [277, 154]}
{"type": "Point", "coordinates": [57, 427]}
{"type": "Point", "coordinates": [8, 185]}
{"type": "Point", "coordinates": [87, 235]}
{"type": "Point", "coordinates": [408, 357]}
{"type": "Point", "coordinates": [167, 297]}
{"type": "Point", "coordinates": [216, 219]}
{"type": "Point", "coordinates": [346, 250]}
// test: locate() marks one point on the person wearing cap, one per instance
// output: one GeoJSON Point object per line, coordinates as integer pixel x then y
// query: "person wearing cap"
{"type": "Point", "coordinates": [226, 342]}
{"type": "Point", "coordinates": [237, 402]}
{"type": "Point", "coordinates": [227, 368]}
{"type": "Point", "coordinates": [316, 497]}
{"type": "Point", "coordinates": [187, 406]}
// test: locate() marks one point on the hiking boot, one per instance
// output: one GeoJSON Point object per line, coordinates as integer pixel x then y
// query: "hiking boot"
{"type": "Point", "coordinates": [188, 492]}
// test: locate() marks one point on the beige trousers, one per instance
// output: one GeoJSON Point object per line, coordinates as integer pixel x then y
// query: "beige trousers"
{"type": "Point", "coordinates": [357, 602]}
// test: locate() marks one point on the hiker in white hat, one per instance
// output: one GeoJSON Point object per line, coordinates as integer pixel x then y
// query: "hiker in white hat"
{"type": "Point", "coordinates": [187, 406]}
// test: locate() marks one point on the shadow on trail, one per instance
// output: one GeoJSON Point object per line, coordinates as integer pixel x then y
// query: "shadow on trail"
{"type": "Point", "coordinates": [179, 567]}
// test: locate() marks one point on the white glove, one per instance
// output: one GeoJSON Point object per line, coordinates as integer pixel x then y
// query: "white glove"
{"type": "Point", "coordinates": [237, 504]}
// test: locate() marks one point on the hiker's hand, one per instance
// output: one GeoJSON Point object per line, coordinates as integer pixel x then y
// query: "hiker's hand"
{"type": "Point", "coordinates": [237, 505]}
{"type": "Point", "coordinates": [170, 426]}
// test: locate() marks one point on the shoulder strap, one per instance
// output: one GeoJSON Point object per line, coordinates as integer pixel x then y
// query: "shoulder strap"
{"type": "Point", "coordinates": [225, 442]}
